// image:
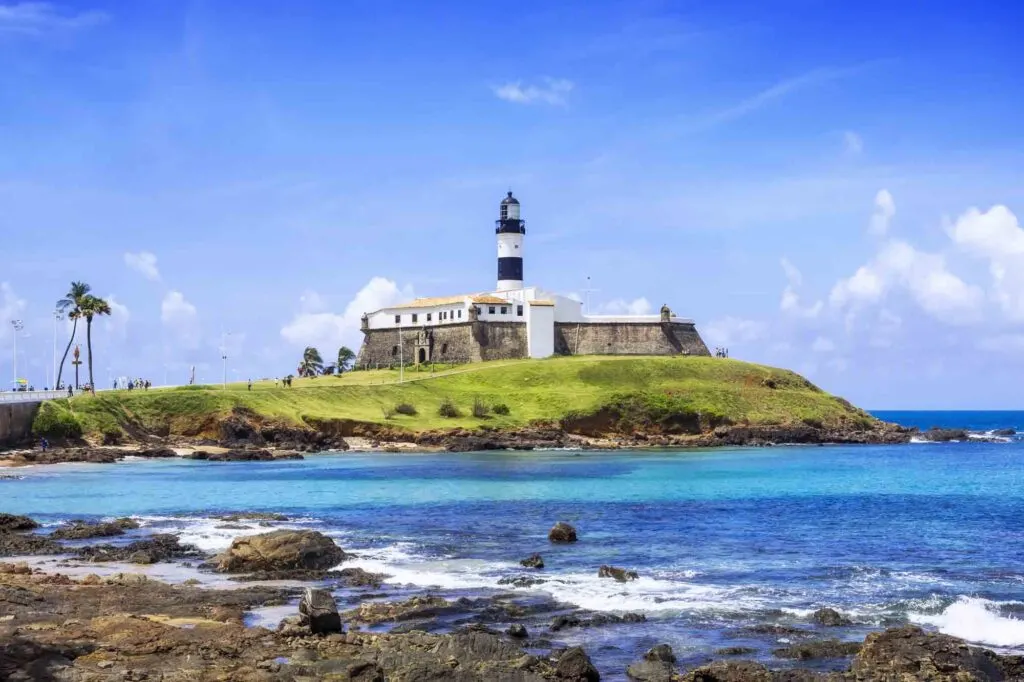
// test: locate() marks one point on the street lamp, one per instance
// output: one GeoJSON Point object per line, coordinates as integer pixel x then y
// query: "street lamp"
{"type": "Point", "coordinates": [18, 326]}
{"type": "Point", "coordinates": [224, 354]}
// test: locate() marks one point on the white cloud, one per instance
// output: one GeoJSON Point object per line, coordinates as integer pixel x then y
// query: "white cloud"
{"type": "Point", "coordinates": [997, 236]}
{"type": "Point", "coordinates": [823, 344]}
{"type": "Point", "coordinates": [35, 19]}
{"type": "Point", "coordinates": [730, 330]}
{"type": "Point", "coordinates": [885, 209]}
{"type": "Point", "coordinates": [553, 91]}
{"type": "Point", "coordinates": [328, 331]}
{"type": "Point", "coordinates": [852, 143]}
{"type": "Point", "coordinates": [790, 302]}
{"type": "Point", "coordinates": [144, 263]}
{"type": "Point", "coordinates": [181, 318]}
{"type": "Point", "coordinates": [11, 308]}
{"type": "Point", "coordinates": [116, 324]}
{"type": "Point", "coordinates": [864, 286]}
{"type": "Point", "coordinates": [620, 306]}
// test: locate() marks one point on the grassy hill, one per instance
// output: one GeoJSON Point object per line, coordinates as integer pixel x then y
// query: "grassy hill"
{"type": "Point", "coordinates": [649, 390]}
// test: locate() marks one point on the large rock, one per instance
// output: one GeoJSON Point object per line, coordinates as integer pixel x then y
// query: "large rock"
{"type": "Point", "coordinates": [9, 523]}
{"type": "Point", "coordinates": [28, 544]}
{"type": "Point", "coordinates": [83, 530]}
{"type": "Point", "coordinates": [656, 665]}
{"type": "Point", "coordinates": [158, 548]}
{"type": "Point", "coordinates": [318, 610]}
{"type": "Point", "coordinates": [809, 651]}
{"type": "Point", "coordinates": [830, 618]}
{"type": "Point", "coordinates": [909, 653]}
{"type": "Point", "coordinates": [732, 671]}
{"type": "Point", "coordinates": [619, 574]}
{"type": "Point", "coordinates": [280, 551]}
{"type": "Point", "coordinates": [533, 561]}
{"type": "Point", "coordinates": [562, 532]}
{"type": "Point", "coordinates": [575, 666]}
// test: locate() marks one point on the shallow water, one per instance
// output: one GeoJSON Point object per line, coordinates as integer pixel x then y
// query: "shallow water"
{"type": "Point", "coordinates": [723, 539]}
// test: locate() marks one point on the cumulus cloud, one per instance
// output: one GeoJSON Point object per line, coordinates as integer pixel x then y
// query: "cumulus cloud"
{"type": "Point", "coordinates": [327, 331]}
{"type": "Point", "coordinates": [732, 330]}
{"type": "Point", "coordinates": [116, 324]}
{"type": "Point", "coordinates": [885, 209]}
{"type": "Point", "coordinates": [620, 306]}
{"type": "Point", "coordinates": [852, 143]}
{"type": "Point", "coordinates": [37, 19]}
{"type": "Point", "coordinates": [996, 235]}
{"type": "Point", "coordinates": [553, 91]}
{"type": "Point", "coordinates": [790, 303]}
{"type": "Point", "coordinates": [143, 263]}
{"type": "Point", "coordinates": [181, 318]}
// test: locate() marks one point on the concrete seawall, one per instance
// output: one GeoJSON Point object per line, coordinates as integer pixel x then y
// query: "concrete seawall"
{"type": "Point", "coordinates": [16, 422]}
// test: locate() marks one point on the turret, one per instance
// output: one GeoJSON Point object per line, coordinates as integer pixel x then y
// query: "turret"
{"type": "Point", "coordinates": [510, 230]}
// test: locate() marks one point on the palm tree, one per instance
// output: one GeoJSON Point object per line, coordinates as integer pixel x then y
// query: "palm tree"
{"type": "Point", "coordinates": [92, 306]}
{"type": "Point", "coordinates": [72, 305]}
{"type": "Point", "coordinates": [345, 358]}
{"type": "Point", "coordinates": [312, 364]}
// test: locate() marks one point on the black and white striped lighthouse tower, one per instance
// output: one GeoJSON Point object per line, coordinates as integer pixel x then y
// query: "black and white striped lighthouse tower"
{"type": "Point", "coordinates": [510, 229]}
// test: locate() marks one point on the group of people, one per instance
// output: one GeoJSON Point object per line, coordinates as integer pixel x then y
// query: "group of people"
{"type": "Point", "coordinates": [132, 384]}
{"type": "Point", "coordinates": [721, 352]}
{"type": "Point", "coordinates": [286, 382]}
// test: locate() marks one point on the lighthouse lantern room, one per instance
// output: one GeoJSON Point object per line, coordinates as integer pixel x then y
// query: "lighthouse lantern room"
{"type": "Point", "coordinates": [510, 229]}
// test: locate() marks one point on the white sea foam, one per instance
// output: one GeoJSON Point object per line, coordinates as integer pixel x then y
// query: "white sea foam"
{"type": "Point", "coordinates": [976, 620]}
{"type": "Point", "coordinates": [205, 534]}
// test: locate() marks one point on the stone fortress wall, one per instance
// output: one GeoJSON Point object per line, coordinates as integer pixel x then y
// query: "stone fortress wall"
{"type": "Point", "coordinates": [480, 341]}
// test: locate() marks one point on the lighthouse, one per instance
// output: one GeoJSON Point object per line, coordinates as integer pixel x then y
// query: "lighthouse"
{"type": "Point", "coordinates": [510, 229]}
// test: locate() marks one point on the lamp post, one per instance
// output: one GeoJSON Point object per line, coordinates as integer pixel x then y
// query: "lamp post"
{"type": "Point", "coordinates": [224, 355]}
{"type": "Point", "coordinates": [18, 326]}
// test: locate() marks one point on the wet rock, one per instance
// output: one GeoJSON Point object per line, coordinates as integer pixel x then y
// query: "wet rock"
{"type": "Point", "coordinates": [280, 550]}
{"type": "Point", "coordinates": [575, 666]}
{"type": "Point", "coordinates": [518, 631]}
{"type": "Point", "coordinates": [235, 517]}
{"type": "Point", "coordinates": [1005, 432]}
{"type": "Point", "coordinates": [19, 544]}
{"type": "Point", "coordinates": [156, 549]}
{"type": "Point", "coordinates": [657, 665]}
{"type": "Point", "coordinates": [619, 574]}
{"type": "Point", "coordinates": [562, 532]}
{"type": "Point", "coordinates": [809, 651]}
{"type": "Point", "coordinates": [563, 622]}
{"type": "Point", "coordinates": [938, 435]}
{"type": "Point", "coordinates": [736, 651]}
{"type": "Point", "coordinates": [357, 577]}
{"type": "Point", "coordinates": [532, 561]}
{"type": "Point", "coordinates": [776, 630]}
{"type": "Point", "coordinates": [9, 523]}
{"type": "Point", "coordinates": [729, 671]}
{"type": "Point", "coordinates": [830, 618]}
{"type": "Point", "coordinates": [416, 608]}
{"type": "Point", "coordinates": [236, 456]}
{"type": "Point", "coordinates": [521, 581]}
{"type": "Point", "coordinates": [318, 610]}
{"type": "Point", "coordinates": [909, 653]}
{"type": "Point", "coordinates": [155, 453]}
{"type": "Point", "coordinates": [83, 530]}
{"type": "Point", "coordinates": [598, 620]}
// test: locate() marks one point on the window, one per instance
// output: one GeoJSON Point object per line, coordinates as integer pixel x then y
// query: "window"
{"type": "Point", "coordinates": [460, 314]}
{"type": "Point", "coordinates": [414, 318]}
{"type": "Point", "coordinates": [394, 351]}
{"type": "Point", "coordinates": [428, 317]}
{"type": "Point", "coordinates": [504, 310]}
{"type": "Point", "coordinates": [490, 310]}
{"type": "Point", "coordinates": [519, 310]}
{"type": "Point", "coordinates": [444, 349]}
{"type": "Point", "coordinates": [398, 319]}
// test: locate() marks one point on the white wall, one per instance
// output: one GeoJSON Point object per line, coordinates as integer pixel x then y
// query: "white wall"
{"type": "Point", "coordinates": [385, 319]}
{"type": "Point", "coordinates": [540, 330]}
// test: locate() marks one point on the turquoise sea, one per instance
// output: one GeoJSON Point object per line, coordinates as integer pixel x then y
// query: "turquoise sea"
{"type": "Point", "coordinates": [723, 540]}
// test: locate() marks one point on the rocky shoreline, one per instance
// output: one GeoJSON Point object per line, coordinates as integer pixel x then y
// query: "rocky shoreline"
{"type": "Point", "coordinates": [125, 626]}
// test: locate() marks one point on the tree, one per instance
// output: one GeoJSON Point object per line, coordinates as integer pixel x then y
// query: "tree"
{"type": "Point", "coordinates": [345, 358]}
{"type": "Point", "coordinates": [91, 307]}
{"type": "Point", "coordinates": [312, 364]}
{"type": "Point", "coordinates": [71, 304]}
{"type": "Point", "coordinates": [328, 370]}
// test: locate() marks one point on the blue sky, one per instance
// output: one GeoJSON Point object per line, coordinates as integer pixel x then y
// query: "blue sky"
{"type": "Point", "coordinates": [831, 189]}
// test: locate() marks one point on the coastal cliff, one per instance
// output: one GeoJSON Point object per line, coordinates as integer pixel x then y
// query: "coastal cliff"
{"type": "Point", "coordinates": [558, 402]}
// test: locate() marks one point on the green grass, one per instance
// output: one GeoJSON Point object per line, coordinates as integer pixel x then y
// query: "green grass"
{"type": "Point", "coordinates": [644, 389]}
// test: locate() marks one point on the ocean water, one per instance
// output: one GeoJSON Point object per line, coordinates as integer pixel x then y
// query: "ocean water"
{"type": "Point", "coordinates": [723, 539]}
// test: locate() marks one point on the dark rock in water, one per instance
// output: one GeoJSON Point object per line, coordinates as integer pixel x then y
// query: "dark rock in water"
{"type": "Point", "coordinates": [574, 621]}
{"type": "Point", "coordinates": [1005, 433]}
{"type": "Point", "coordinates": [532, 561]}
{"type": "Point", "coordinates": [909, 653]}
{"type": "Point", "coordinates": [937, 435]}
{"type": "Point", "coordinates": [163, 547]}
{"type": "Point", "coordinates": [619, 574]}
{"type": "Point", "coordinates": [562, 622]}
{"type": "Point", "coordinates": [9, 523]}
{"type": "Point", "coordinates": [252, 516]}
{"type": "Point", "coordinates": [575, 666]}
{"type": "Point", "coordinates": [521, 581]}
{"type": "Point", "coordinates": [736, 651]}
{"type": "Point", "coordinates": [777, 630]}
{"type": "Point", "coordinates": [808, 651]}
{"type": "Point", "coordinates": [518, 631]}
{"type": "Point", "coordinates": [82, 530]}
{"type": "Point", "coordinates": [280, 550]}
{"type": "Point", "coordinates": [562, 532]}
{"type": "Point", "coordinates": [830, 618]}
{"type": "Point", "coordinates": [318, 610]}
{"type": "Point", "coordinates": [27, 544]}
{"type": "Point", "coordinates": [242, 456]}
{"type": "Point", "coordinates": [357, 577]}
{"type": "Point", "coordinates": [155, 453]}
{"type": "Point", "coordinates": [656, 666]}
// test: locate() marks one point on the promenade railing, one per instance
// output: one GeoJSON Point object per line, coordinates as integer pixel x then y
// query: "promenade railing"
{"type": "Point", "coordinates": [30, 396]}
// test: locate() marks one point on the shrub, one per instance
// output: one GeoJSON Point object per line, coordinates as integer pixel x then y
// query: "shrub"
{"type": "Point", "coordinates": [56, 422]}
{"type": "Point", "coordinates": [388, 412]}
{"type": "Point", "coordinates": [500, 408]}
{"type": "Point", "coordinates": [480, 409]}
{"type": "Point", "coordinates": [447, 409]}
{"type": "Point", "coordinates": [112, 435]}
{"type": "Point", "coordinates": [406, 409]}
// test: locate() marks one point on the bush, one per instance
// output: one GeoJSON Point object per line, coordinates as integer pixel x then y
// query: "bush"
{"type": "Point", "coordinates": [447, 409]}
{"type": "Point", "coordinates": [501, 408]}
{"type": "Point", "coordinates": [388, 412]}
{"type": "Point", "coordinates": [406, 409]}
{"type": "Point", "coordinates": [480, 409]}
{"type": "Point", "coordinates": [112, 435]}
{"type": "Point", "coordinates": [53, 421]}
